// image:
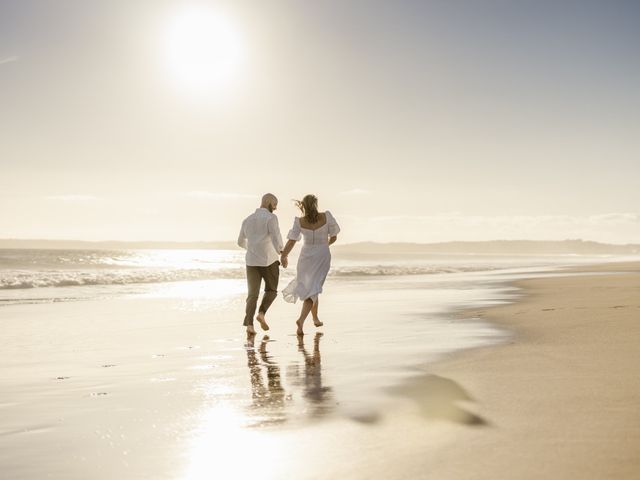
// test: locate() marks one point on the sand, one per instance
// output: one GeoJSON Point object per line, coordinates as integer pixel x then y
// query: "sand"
{"type": "Point", "coordinates": [562, 398]}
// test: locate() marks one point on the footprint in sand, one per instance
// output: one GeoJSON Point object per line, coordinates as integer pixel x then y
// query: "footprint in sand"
{"type": "Point", "coordinates": [620, 306]}
{"type": "Point", "coordinates": [62, 378]}
{"type": "Point", "coordinates": [98, 394]}
{"type": "Point", "coordinates": [108, 365]}
{"type": "Point", "coordinates": [548, 309]}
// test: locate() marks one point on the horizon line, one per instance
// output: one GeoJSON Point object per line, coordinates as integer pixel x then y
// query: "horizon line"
{"type": "Point", "coordinates": [178, 242]}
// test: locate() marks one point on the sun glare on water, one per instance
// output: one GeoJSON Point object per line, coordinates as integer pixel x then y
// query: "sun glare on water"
{"type": "Point", "coordinates": [204, 52]}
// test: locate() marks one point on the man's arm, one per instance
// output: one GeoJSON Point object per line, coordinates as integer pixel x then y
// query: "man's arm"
{"type": "Point", "coordinates": [242, 238]}
{"type": "Point", "coordinates": [284, 257]}
{"type": "Point", "coordinates": [274, 232]}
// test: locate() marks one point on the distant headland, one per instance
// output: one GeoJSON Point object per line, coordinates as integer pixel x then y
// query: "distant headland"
{"type": "Point", "coordinates": [576, 246]}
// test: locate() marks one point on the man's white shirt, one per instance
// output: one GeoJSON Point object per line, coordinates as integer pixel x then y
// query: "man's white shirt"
{"type": "Point", "coordinates": [260, 237]}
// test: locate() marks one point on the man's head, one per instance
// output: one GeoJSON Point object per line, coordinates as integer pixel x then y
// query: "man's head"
{"type": "Point", "coordinates": [269, 201]}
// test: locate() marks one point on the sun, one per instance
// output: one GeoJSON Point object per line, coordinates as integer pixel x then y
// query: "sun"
{"type": "Point", "coordinates": [204, 51]}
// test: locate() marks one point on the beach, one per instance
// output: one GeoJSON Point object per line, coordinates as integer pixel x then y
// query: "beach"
{"type": "Point", "coordinates": [450, 375]}
{"type": "Point", "coordinates": [456, 183]}
{"type": "Point", "coordinates": [562, 396]}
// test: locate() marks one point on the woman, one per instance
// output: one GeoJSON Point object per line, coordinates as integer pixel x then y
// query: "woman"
{"type": "Point", "coordinates": [319, 230]}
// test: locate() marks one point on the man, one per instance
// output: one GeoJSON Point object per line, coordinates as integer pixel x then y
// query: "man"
{"type": "Point", "coordinates": [260, 237]}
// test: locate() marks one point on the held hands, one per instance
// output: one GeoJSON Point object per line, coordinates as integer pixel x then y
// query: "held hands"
{"type": "Point", "coordinates": [284, 253]}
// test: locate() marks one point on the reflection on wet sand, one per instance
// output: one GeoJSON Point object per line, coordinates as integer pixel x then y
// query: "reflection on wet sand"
{"type": "Point", "coordinates": [268, 400]}
{"type": "Point", "coordinates": [270, 403]}
{"type": "Point", "coordinates": [436, 397]}
{"type": "Point", "coordinates": [318, 397]}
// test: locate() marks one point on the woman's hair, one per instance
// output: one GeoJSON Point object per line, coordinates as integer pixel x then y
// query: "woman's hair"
{"type": "Point", "coordinates": [309, 207]}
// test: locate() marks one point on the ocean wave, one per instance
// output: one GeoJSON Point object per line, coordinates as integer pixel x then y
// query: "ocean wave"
{"type": "Point", "coordinates": [16, 280]}
{"type": "Point", "coordinates": [386, 271]}
{"type": "Point", "coordinates": [28, 279]}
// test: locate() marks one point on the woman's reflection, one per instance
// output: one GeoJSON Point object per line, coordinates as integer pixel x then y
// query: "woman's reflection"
{"type": "Point", "coordinates": [318, 397]}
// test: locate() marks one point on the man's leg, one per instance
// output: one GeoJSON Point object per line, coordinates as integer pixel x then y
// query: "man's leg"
{"type": "Point", "coordinates": [271, 274]}
{"type": "Point", "coordinates": [253, 287]}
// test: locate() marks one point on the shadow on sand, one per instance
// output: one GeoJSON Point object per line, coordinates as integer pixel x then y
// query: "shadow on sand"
{"type": "Point", "coordinates": [438, 398]}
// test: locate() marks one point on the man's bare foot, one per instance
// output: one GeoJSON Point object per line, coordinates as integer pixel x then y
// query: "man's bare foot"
{"type": "Point", "coordinates": [250, 330]}
{"type": "Point", "coordinates": [317, 322]}
{"type": "Point", "coordinates": [299, 324]}
{"type": "Point", "coordinates": [262, 321]}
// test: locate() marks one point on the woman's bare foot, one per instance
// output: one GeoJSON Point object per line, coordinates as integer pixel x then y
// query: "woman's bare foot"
{"type": "Point", "coordinates": [299, 324]}
{"type": "Point", "coordinates": [250, 330]}
{"type": "Point", "coordinates": [317, 322]}
{"type": "Point", "coordinates": [263, 323]}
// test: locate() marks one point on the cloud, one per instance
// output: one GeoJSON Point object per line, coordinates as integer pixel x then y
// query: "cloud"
{"type": "Point", "coordinates": [461, 219]}
{"type": "Point", "coordinates": [72, 198]}
{"type": "Point", "coordinates": [616, 218]}
{"type": "Point", "coordinates": [356, 191]}
{"type": "Point", "coordinates": [217, 195]}
{"type": "Point", "coordinates": [13, 58]}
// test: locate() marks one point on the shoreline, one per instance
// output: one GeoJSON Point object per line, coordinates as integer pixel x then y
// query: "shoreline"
{"type": "Point", "coordinates": [558, 398]}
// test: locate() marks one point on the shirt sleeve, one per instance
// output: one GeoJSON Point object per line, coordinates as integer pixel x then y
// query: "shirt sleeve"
{"type": "Point", "coordinates": [334, 228]}
{"type": "Point", "coordinates": [242, 238]}
{"type": "Point", "coordinates": [295, 234]}
{"type": "Point", "coordinates": [274, 233]}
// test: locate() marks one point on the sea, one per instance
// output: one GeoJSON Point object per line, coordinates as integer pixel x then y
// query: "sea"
{"type": "Point", "coordinates": [29, 276]}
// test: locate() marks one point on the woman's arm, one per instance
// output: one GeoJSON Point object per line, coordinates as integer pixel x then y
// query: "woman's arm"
{"type": "Point", "coordinates": [284, 260]}
{"type": "Point", "coordinates": [334, 228]}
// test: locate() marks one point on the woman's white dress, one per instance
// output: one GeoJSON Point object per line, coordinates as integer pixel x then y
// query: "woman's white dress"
{"type": "Point", "coordinates": [314, 260]}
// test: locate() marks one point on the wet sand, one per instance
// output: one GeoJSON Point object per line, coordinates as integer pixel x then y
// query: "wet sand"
{"type": "Point", "coordinates": [562, 398]}
{"type": "Point", "coordinates": [166, 385]}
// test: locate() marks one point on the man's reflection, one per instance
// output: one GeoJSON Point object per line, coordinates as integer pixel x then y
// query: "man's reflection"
{"type": "Point", "coordinates": [267, 400]}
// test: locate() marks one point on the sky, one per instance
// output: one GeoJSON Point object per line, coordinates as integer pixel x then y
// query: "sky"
{"type": "Point", "coordinates": [420, 121]}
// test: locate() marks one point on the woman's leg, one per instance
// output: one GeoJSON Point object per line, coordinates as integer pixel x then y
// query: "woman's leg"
{"type": "Point", "coordinates": [314, 312]}
{"type": "Point", "coordinates": [307, 305]}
